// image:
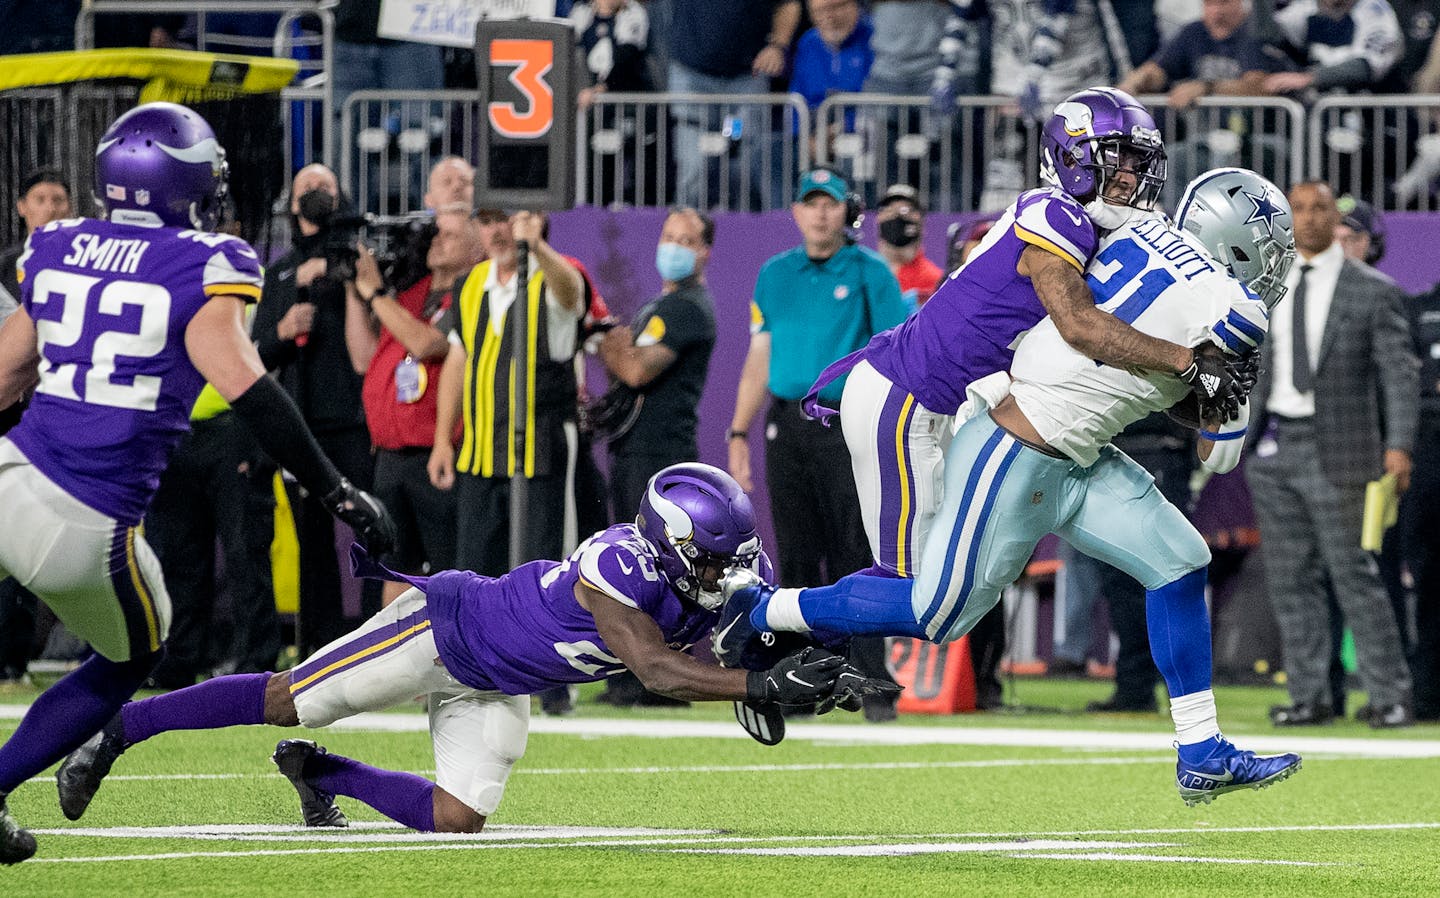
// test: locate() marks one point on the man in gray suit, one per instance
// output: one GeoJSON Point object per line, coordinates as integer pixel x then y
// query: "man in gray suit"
{"type": "Point", "coordinates": [1335, 407]}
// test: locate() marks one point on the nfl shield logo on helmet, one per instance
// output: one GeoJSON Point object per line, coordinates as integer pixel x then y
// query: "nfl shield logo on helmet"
{"type": "Point", "coordinates": [142, 197]}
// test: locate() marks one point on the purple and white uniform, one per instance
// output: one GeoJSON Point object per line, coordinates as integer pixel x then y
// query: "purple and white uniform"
{"type": "Point", "coordinates": [907, 384]}
{"type": "Point", "coordinates": [111, 304]}
{"type": "Point", "coordinates": [479, 646]}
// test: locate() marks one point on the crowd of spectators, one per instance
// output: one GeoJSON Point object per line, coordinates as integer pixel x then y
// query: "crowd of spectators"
{"type": "Point", "coordinates": [1033, 52]}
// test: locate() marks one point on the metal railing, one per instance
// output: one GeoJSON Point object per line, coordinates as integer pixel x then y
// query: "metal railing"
{"type": "Point", "coordinates": [283, 44]}
{"type": "Point", "coordinates": [55, 128]}
{"type": "Point", "coordinates": [711, 151]}
{"type": "Point", "coordinates": [976, 157]}
{"type": "Point", "coordinates": [1265, 134]}
{"type": "Point", "coordinates": [389, 141]}
{"type": "Point", "coordinates": [1385, 149]}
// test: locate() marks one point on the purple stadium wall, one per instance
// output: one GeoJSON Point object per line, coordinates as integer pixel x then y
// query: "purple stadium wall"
{"type": "Point", "coordinates": [619, 250]}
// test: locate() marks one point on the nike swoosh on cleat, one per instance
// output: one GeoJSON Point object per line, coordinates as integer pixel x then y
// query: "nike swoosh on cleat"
{"type": "Point", "coordinates": [1227, 777]}
{"type": "Point", "coordinates": [725, 633]}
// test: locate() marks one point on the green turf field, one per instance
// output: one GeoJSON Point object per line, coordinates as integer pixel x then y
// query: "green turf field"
{"type": "Point", "coordinates": [681, 803]}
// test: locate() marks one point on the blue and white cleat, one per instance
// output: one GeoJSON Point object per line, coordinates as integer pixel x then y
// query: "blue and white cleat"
{"type": "Point", "coordinates": [1227, 768]}
{"type": "Point", "coordinates": [737, 643]}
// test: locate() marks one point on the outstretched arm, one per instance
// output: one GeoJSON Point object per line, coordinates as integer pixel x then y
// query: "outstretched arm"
{"type": "Point", "coordinates": [222, 352]}
{"type": "Point", "coordinates": [808, 677]}
{"type": "Point", "coordinates": [635, 638]}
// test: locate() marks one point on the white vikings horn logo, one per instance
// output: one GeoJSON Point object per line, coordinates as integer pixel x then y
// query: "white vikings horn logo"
{"type": "Point", "coordinates": [1079, 119]}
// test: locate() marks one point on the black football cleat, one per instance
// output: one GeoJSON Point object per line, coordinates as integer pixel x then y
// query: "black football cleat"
{"type": "Point", "coordinates": [316, 806]}
{"type": "Point", "coordinates": [16, 844]}
{"type": "Point", "coordinates": [79, 777]}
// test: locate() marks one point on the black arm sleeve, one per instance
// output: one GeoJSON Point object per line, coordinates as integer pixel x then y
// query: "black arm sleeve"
{"type": "Point", "coordinates": [275, 421]}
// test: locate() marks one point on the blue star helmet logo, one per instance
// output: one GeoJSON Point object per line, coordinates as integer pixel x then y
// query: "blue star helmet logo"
{"type": "Point", "coordinates": [1265, 210]}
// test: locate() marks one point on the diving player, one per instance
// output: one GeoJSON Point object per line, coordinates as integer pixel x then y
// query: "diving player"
{"type": "Point", "coordinates": [1104, 161]}
{"type": "Point", "coordinates": [122, 321]}
{"type": "Point", "coordinates": [1040, 462]}
{"type": "Point", "coordinates": [631, 596]}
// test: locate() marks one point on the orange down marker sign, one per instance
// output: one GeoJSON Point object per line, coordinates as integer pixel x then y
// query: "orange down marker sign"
{"type": "Point", "coordinates": [532, 60]}
{"type": "Point", "coordinates": [938, 679]}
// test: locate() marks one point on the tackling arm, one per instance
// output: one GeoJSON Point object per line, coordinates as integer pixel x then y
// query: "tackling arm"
{"type": "Point", "coordinates": [1101, 336]}
{"type": "Point", "coordinates": [808, 677]}
{"type": "Point", "coordinates": [635, 638]}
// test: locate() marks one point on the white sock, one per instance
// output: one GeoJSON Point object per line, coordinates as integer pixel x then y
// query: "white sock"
{"type": "Point", "coordinates": [782, 613]}
{"type": "Point", "coordinates": [1194, 717]}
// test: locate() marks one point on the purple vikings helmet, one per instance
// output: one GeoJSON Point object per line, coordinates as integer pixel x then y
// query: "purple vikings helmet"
{"type": "Point", "coordinates": [1094, 134]}
{"type": "Point", "coordinates": [160, 164]}
{"type": "Point", "coordinates": [701, 523]}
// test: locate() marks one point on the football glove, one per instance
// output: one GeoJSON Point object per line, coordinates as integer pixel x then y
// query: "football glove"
{"type": "Point", "coordinates": [852, 688]}
{"type": "Point", "coordinates": [764, 722]}
{"type": "Point", "coordinates": [1214, 383]}
{"type": "Point", "coordinates": [804, 678]}
{"type": "Point", "coordinates": [365, 514]}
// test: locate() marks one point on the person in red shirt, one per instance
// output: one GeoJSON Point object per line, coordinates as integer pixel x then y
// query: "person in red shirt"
{"type": "Point", "coordinates": [400, 390]}
{"type": "Point", "coordinates": [900, 222]}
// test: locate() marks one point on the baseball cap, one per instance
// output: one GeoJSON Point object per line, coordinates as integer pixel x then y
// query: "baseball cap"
{"type": "Point", "coordinates": [1358, 215]}
{"type": "Point", "coordinates": [822, 180]}
{"type": "Point", "coordinates": [898, 193]}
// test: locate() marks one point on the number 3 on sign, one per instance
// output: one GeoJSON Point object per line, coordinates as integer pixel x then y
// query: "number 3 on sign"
{"type": "Point", "coordinates": [532, 60]}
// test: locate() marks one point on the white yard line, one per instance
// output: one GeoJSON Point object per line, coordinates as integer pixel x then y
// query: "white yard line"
{"type": "Point", "coordinates": [866, 734]}
{"type": "Point", "coordinates": [371, 837]}
{"type": "Point", "coordinates": [893, 849]}
{"type": "Point", "coordinates": [698, 768]}
{"type": "Point", "coordinates": [1170, 859]}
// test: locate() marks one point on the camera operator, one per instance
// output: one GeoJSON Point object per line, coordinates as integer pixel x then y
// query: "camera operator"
{"type": "Point", "coordinates": [313, 330]}
{"type": "Point", "coordinates": [402, 383]}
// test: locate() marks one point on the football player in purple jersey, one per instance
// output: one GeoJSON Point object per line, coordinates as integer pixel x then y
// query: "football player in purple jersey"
{"type": "Point", "coordinates": [123, 319]}
{"type": "Point", "coordinates": [1103, 162]}
{"type": "Point", "coordinates": [633, 596]}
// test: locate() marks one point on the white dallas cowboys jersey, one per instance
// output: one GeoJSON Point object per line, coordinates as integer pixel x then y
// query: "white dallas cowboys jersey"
{"type": "Point", "coordinates": [1161, 281]}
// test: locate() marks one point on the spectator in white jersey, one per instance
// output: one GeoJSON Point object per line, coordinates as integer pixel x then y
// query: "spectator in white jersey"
{"type": "Point", "coordinates": [1349, 46]}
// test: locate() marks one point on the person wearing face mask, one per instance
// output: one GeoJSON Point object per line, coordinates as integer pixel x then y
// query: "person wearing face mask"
{"type": "Point", "coordinates": [661, 360]}
{"type": "Point", "coordinates": [900, 223]}
{"type": "Point", "coordinates": [313, 330]}
{"type": "Point", "coordinates": [664, 356]}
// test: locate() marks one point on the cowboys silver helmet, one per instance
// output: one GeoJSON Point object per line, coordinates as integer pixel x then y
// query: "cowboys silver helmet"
{"type": "Point", "coordinates": [1245, 223]}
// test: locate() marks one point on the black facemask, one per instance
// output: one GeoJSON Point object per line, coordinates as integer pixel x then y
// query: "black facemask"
{"type": "Point", "coordinates": [317, 207]}
{"type": "Point", "coordinates": [899, 231]}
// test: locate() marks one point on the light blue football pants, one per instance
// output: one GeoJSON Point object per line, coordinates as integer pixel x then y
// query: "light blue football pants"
{"type": "Point", "coordinates": [1002, 496]}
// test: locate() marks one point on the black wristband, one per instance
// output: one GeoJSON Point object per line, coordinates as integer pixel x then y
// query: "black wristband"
{"type": "Point", "coordinates": [737, 434]}
{"type": "Point", "coordinates": [755, 685]}
{"type": "Point", "coordinates": [274, 419]}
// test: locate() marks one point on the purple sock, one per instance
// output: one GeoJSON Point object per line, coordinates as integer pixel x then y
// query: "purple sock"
{"type": "Point", "coordinates": [403, 797]}
{"type": "Point", "coordinates": [222, 702]}
{"type": "Point", "coordinates": [67, 714]}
